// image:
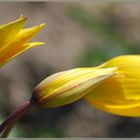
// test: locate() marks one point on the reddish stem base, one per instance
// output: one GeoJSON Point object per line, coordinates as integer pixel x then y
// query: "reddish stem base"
{"type": "Point", "coordinates": [6, 126]}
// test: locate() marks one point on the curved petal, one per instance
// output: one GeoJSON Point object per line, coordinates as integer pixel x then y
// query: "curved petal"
{"type": "Point", "coordinates": [8, 32]}
{"type": "Point", "coordinates": [13, 52]}
{"type": "Point", "coordinates": [18, 45]}
{"type": "Point", "coordinates": [123, 60]}
{"type": "Point", "coordinates": [125, 84]}
{"type": "Point", "coordinates": [26, 34]}
{"type": "Point", "coordinates": [120, 92]}
{"type": "Point", "coordinates": [131, 108]}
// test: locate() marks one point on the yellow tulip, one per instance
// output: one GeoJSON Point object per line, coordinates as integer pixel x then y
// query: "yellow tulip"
{"type": "Point", "coordinates": [14, 39]}
{"type": "Point", "coordinates": [119, 94]}
{"type": "Point", "coordinates": [68, 86]}
{"type": "Point", "coordinates": [113, 87]}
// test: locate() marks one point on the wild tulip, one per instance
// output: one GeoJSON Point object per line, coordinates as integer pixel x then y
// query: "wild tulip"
{"type": "Point", "coordinates": [15, 40]}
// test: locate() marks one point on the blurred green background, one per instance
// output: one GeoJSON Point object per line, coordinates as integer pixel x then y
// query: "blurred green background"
{"type": "Point", "coordinates": [76, 35]}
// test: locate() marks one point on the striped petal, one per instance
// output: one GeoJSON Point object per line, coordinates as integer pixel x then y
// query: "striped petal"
{"type": "Point", "coordinates": [68, 86]}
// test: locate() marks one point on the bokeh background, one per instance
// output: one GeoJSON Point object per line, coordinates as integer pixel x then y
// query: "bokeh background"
{"type": "Point", "coordinates": [76, 35]}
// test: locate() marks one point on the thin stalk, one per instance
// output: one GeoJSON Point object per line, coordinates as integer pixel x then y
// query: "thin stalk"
{"type": "Point", "coordinates": [7, 125]}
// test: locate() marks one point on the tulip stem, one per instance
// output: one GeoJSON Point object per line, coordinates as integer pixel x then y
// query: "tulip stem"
{"type": "Point", "coordinates": [7, 125]}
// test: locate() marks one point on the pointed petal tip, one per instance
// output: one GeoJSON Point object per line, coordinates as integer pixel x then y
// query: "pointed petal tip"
{"type": "Point", "coordinates": [41, 43]}
{"type": "Point", "coordinates": [37, 27]}
{"type": "Point", "coordinates": [42, 25]}
{"type": "Point", "coordinates": [21, 16]}
{"type": "Point", "coordinates": [23, 19]}
{"type": "Point", "coordinates": [32, 44]}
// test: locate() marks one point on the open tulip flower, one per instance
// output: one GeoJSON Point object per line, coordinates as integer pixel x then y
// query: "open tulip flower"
{"type": "Point", "coordinates": [119, 94]}
{"type": "Point", "coordinates": [113, 86]}
{"type": "Point", "coordinates": [14, 39]}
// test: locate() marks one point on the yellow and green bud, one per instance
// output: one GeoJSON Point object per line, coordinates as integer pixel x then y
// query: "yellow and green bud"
{"type": "Point", "coordinates": [68, 86]}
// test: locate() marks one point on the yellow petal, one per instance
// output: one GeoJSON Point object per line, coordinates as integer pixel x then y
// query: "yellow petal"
{"type": "Point", "coordinates": [18, 45]}
{"type": "Point", "coordinates": [8, 32]}
{"type": "Point", "coordinates": [7, 55]}
{"type": "Point", "coordinates": [125, 84]}
{"type": "Point", "coordinates": [68, 86]}
{"type": "Point", "coordinates": [120, 92]}
{"type": "Point", "coordinates": [26, 34]}
{"type": "Point", "coordinates": [132, 109]}
{"type": "Point", "coordinates": [128, 77]}
{"type": "Point", "coordinates": [123, 60]}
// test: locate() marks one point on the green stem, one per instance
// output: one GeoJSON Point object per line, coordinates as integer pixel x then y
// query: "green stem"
{"type": "Point", "coordinates": [7, 125]}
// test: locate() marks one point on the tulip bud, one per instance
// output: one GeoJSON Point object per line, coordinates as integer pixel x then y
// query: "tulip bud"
{"type": "Point", "coordinates": [68, 86]}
